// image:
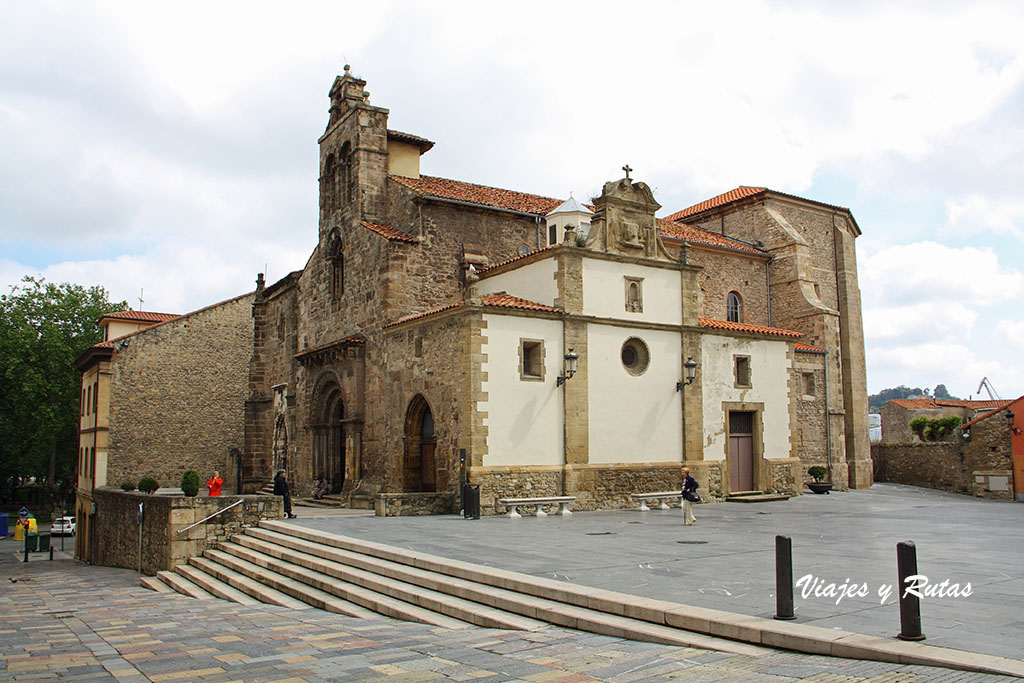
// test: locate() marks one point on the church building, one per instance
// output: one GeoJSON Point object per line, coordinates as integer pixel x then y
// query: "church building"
{"type": "Point", "coordinates": [445, 332]}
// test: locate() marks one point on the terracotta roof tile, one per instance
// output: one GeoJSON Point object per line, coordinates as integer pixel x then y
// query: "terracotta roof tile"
{"type": "Point", "coordinates": [482, 195]}
{"type": "Point", "coordinates": [389, 232]}
{"type": "Point", "coordinates": [923, 403]}
{"type": "Point", "coordinates": [744, 327]}
{"type": "Point", "coordinates": [141, 316]}
{"type": "Point", "coordinates": [696, 234]}
{"type": "Point", "coordinates": [740, 192]}
{"type": "Point", "coordinates": [800, 346]}
{"type": "Point", "coordinates": [496, 300]}
{"type": "Point", "coordinates": [423, 143]}
{"type": "Point", "coordinates": [503, 300]}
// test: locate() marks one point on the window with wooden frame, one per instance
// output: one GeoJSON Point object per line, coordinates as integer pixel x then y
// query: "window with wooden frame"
{"type": "Point", "coordinates": [734, 308]}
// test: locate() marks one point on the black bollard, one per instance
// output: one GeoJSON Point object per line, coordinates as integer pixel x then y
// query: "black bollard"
{"type": "Point", "coordinates": [910, 605]}
{"type": "Point", "coordinates": [784, 578]}
{"type": "Point", "coordinates": [51, 553]}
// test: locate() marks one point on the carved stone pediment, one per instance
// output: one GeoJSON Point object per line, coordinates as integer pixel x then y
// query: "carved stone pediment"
{"type": "Point", "coordinates": [624, 221]}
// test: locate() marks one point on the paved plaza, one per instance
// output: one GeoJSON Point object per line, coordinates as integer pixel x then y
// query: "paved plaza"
{"type": "Point", "coordinates": [69, 621]}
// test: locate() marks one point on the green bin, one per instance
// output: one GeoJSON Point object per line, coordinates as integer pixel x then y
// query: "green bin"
{"type": "Point", "coordinates": [31, 541]}
{"type": "Point", "coordinates": [44, 542]}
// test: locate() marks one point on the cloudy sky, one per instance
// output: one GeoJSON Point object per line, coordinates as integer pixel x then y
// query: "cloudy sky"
{"type": "Point", "coordinates": [171, 147]}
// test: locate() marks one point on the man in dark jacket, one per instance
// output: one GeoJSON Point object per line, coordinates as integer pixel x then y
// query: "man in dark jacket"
{"type": "Point", "coordinates": [281, 489]}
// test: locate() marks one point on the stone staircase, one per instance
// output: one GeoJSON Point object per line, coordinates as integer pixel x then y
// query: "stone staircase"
{"type": "Point", "coordinates": [299, 568]}
{"type": "Point", "coordinates": [754, 497]}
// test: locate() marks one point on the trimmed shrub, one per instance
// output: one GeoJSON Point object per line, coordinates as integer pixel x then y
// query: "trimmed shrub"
{"type": "Point", "coordinates": [148, 484]}
{"type": "Point", "coordinates": [190, 483]}
{"type": "Point", "coordinates": [127, 485]}
{"type": "Point", "coordinates": [817, 472]}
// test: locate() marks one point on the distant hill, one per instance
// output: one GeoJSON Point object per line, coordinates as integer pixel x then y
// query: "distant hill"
{"type": "Point", "coordinates": [876, 401]}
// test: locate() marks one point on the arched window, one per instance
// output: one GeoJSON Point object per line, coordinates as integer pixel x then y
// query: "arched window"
{"type": "Point", "coordinates": [734, 308]}
{"type": "Point", "coordinates": [336, 259]}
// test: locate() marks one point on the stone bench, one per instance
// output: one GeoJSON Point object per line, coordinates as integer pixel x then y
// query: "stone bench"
{"type": "Point", "coordinates": [540, 502]}
{"type": "Point", "coordinates": [660, 497]}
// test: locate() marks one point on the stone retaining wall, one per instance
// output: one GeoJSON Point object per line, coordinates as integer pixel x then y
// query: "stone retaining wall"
{"type": "Point", "coordinates": [116, 527]}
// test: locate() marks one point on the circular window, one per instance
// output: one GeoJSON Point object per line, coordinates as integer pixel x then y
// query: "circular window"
{"type": "Point", "coordinates": [635, 356]}
{"type": "Point", "coordinates": [524, 249]}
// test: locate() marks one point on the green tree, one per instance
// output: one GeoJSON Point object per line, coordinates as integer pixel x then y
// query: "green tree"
{"type": "Point", "coordinates": [44, 327]}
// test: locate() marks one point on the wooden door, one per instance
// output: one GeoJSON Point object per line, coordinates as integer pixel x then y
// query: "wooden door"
{"type": "Point", "coordinates": [428, 478]}
{"type": "Point", "coordinates": [741, 451]}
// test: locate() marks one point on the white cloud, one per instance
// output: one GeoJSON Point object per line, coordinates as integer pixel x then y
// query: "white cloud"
{"type": "Point", "coordinates": [978, 213]}
{"type": "Point", "coordinates": [1013, 333]}
{"type": "Point", "coordinates": [957, 366]}
{"type": "Point", "coordinates": [909, 274]}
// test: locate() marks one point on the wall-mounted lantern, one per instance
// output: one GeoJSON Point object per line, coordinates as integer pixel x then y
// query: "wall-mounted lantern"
{"type": "Point", "coordinates": [690, 366]}
{"type": "Point", "coordinates": [1009, 422]}
{"type": "Point", "coordinates": [571, 361]}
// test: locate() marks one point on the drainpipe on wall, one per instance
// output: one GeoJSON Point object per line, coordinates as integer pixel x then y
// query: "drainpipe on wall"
{"type": "Point", "coordinates": [828, 424]}
{"type": "Point", "coordinates": [768, 289]}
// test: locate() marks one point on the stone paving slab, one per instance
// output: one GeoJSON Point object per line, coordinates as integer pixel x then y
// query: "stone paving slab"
{"type": "Point", "coordinates": [726, 560]}
{"type": "Point", "coordinates": [70, 621]}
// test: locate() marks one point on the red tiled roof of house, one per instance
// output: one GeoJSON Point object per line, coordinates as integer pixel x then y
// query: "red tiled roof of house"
{"type": "Point", "coordinates": [141, 316]}
{"type": "Point", "coordinates": [744, 327]}
{"type": "Point", "coordinates": [923, 403]}
{"type": "Point", "coordinates": [503, 300]}
{"type": "Point", "coordinates": [693, 233]}
{"type": "Point", "coordinates": [741, 192]}
{"type": "Point", "coordinates": [389, 232]}
{"type": "Point", "coordinates": [496, 300]}
{"type": "Point", "coordinates": [800, 346]}
{"type": "Point", "coordinates": [482, 195]}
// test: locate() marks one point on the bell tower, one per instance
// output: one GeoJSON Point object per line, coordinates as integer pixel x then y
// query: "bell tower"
{"type": "Point", "coordinates": [353, 157]}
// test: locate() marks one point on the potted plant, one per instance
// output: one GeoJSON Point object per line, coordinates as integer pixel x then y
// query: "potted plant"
{"type": "Point", "coordinates": [818, 485]}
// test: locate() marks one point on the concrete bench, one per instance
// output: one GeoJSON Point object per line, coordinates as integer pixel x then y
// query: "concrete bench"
{"type": "Point", "coordinates": [540, 502]}
{"type": "Point", "coordinates": [660, 497]}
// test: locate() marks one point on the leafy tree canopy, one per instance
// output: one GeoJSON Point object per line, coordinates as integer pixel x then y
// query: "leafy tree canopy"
{"type": "Point", "coordinates": [44, 327]}
{"type": "Point", "coordinates": [878, 400]}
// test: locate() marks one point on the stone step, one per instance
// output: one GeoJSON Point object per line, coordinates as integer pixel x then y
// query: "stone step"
{"type": "Point", "coordinates": [297, 590]}
{"type": "Point", "coordinates": [534, 597]}
{"type": "Point", "coordinates": [154, 583]}
{"type": "Point", "coordinates": [183, 585]}
{"type": "Point", "coordinates": [193, 571]}
{"type": "Point", "coordinates": [224, 571]}
{"type": "Point", "coordinates": [758, 498]}
{"type": "Point", "coordinates": [452, 597]}
{"type": "Point", "coordinates": [363, 597]}
{"type": "Point", "coordinates": [741, 494]}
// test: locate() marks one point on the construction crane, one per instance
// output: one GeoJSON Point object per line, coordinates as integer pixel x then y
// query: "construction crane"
{"type": "Point", "coordinates": [992, 395]}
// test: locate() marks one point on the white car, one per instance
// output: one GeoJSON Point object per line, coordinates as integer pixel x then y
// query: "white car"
{"type": "Point", "coordinates": [63, 526]}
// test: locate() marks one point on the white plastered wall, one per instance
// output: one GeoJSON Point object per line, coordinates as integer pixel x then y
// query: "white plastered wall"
{"type": "Point", "coordinates": [524, 417]}
{"type": "Point", "coordinates": [633, 419]}
{"type": "Point", "coordinates": [533, 282]}
{"type": "Point", "coordinates": [604, 292]}
{"type": "Point", "coordinates": [769, 379]}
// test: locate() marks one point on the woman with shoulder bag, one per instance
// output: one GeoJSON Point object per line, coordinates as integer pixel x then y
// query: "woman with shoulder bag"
{"type": "Point", "coordinates": [689, 496]}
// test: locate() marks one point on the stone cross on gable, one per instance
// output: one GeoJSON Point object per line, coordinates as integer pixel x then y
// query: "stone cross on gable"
{"type": "Point", "coordinates": [627, 169]}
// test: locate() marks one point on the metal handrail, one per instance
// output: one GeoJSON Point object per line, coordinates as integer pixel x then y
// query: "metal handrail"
{"type": "Point", "coordinates": [192, 526]}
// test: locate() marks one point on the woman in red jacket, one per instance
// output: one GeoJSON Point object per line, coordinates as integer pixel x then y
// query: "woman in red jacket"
{"type": "Point", "coordinates": [214, 484]}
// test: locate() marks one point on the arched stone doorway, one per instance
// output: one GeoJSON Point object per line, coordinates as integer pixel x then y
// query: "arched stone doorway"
{"type": "Point", "coordinates": [329, 440]}
{"type": "Point", "coordinates": [420, 471]}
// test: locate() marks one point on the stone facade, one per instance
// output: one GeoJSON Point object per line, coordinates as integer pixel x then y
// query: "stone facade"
{"type": "Point", "coordinates": [115, 534]}
{"type": "Point", "coordinates": [980, 464]}
{"type": "Point", "coordinates": [177, 392]}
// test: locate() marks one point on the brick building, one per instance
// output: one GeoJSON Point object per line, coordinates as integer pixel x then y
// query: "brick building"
{"type": "Point", "coordinates": [423, 342]}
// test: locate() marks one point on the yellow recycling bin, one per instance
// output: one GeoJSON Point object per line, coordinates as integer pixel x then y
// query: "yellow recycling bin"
{"type": "Point", "coordinates": [19, 529]}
